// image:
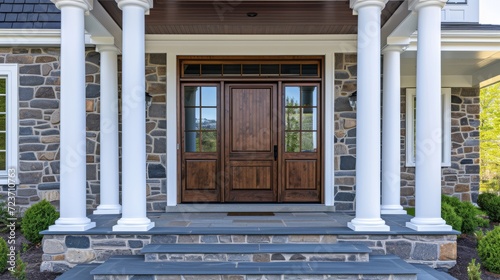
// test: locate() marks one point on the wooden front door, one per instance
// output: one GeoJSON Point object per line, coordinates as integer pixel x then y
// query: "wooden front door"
{"type": "Point", "coordinates": [251, 143]}
{"type": "Point", "coordinates": [254, 142]}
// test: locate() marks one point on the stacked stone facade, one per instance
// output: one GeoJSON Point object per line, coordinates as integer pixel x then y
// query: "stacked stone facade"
{"type": "Point", "coordinates": [460, 179]}
{"type": "Point", "coordinates": [39, 94]}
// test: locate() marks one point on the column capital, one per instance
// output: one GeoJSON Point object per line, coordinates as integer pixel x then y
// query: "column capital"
{"type": "Point", "coordinates": [415, 5]}
{"type": "Point", "coordinates": [146, 4]}
{"type": "Point", "coordinates": [394, 48]}
{"type": "Point", "coordinates": [86, 5]}
{"type": "Point", "coordinates": [356, 4]}
{"type": "Point", "coordinates": [107, 48]}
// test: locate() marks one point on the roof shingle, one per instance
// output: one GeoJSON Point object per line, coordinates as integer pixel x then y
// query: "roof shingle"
{"type": "Point", "coordinates": [27, 14]}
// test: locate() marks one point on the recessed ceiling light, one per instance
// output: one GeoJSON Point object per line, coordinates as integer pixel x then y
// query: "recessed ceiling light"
{"type": "Point", "coordinates": [252, 14]}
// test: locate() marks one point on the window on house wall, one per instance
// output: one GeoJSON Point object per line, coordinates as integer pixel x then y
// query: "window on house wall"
{"type": "Point", "coordinates": [8, 121]}
{"type": "Point", "coordinates": [411, 112]}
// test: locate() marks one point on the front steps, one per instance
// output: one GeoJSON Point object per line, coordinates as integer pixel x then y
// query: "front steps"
{"type": "Point", "coordinates": [252, 262]}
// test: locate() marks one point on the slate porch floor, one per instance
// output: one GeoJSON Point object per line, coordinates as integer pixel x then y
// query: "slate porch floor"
{"type": "Point", "coordinates": [280, 223]}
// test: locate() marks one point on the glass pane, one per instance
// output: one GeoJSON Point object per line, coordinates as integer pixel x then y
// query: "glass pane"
{"type": "Point", "coordinates": [290, 69]}
{"type": "Point", "coordinates": [232, 69]}
{"type": "Point", "coordinates": [3, 83]}
{"type": "Point", "coordinates": [251, 69]}
{"type": "Point", "coordinates": [292, 142]}
{"type": "Point", "coordinates": [209, 96]}
{"type": "Point", "coordinates": [310, 69]}
{"type": "Point", "coordinates": [3, 143]}
{"type": "Point", "coordinates": [192, 69]}
{"type": "Point", "coordinates": [3, 161]}
{"type": "Point", "coordinates": [2, 122]}
{"type": "Point", "coordinates": [292, 119]}
{"type": "Point", "coordinates": [309, 96]}
{"type": "Point", "coordinates": [2, 103]}
{"type": "Point", "coordinates": [192, 140]}
{"type": "Point", "coordinates": [292, 96]}
{"type": "Point", "coordinates": [211, 69]}
{"type": "Point", "coordinates": [309, 119]}
{"type": "Point", "coordinates": [208, 118]}
{"type": "Point", "coordinates": [308, 142]}
{"type": "Point", "coordinates": [209, 141]}
{"type": "Point", "coordinates": [191, 96]}
{"type": "Point", "coordinates": [270, 69]}
{"type": "Point", "coordinates": [192, 118]}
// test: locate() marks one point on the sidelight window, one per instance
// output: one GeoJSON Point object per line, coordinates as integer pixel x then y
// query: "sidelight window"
{"type": "Point", "coordinates": [301, 119]}
{"type": "Point", "coordinates": [200, 117]}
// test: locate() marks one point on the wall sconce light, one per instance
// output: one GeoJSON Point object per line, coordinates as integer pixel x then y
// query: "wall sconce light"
{"type": "Point", "coordinates": [353, 98]}
{"type": "Point", "coordinates": [149, 100]}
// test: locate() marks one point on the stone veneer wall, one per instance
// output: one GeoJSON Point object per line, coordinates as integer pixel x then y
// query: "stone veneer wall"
{"type": "Point", "coordinates": [39, 132]}
{"type": "Point", "coordinates": [39, 95]}
{"type": "Point", "coordinates": [461, 179]}
{"type": "Point", "coordinates": [62, 252]}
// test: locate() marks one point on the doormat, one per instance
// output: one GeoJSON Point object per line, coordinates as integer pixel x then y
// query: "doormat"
{"type": "Point", "coordinates": [250, 214]}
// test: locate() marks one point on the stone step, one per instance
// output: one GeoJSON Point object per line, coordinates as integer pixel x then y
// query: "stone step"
{"type": "Point", "coordinates": [343, 252]}
{"type": "Point", "coordinates": [380, 267]}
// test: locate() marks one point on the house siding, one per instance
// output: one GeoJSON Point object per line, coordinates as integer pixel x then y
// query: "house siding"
{"type": "Point", "coordinates": [39, 94]}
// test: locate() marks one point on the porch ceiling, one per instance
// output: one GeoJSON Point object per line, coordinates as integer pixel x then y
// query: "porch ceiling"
{"type": "Point", "coordinates": [230, 17]}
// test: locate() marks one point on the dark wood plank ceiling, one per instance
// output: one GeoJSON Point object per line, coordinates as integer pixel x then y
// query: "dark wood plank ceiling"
{"type": "Point", "coordinates": [230, 17]}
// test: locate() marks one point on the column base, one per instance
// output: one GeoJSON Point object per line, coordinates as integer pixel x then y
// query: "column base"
{"type": "Point", "coordinates": [428, 224]}
{"type": "Point", "coordinates": [133, 224]}
{"type": "Point", "coordinates": [368, 225]}
{"type": "Point", "coordinates": [72, 224]}
{"type": "Point", "coordinates": [108, 209]}
{"type": "Point", "coordinates": [392, 210]}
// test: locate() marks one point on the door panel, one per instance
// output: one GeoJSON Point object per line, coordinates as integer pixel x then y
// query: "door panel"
{"type": "Point", "coordinates": [201, 174]}
{"type": "Point", "coordinates": [251, 134]}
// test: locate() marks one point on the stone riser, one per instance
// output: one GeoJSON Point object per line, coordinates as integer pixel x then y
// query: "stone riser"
{"type": "Point", "coordinates": [62, 252]}
{"type": "Point", "coordinates": [257, 257]}
{"type": "Point", "coordinates": [257, 277]}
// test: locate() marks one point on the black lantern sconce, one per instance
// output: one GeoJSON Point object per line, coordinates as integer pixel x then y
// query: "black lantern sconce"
{"type": "Point", "coordinates": [149, 100]}
{"type": "Point", "coordinates": [353, 98]}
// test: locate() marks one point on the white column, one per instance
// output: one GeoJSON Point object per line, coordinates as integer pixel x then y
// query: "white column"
{"type": "Point", "coordinates": [109, 181]}
{"type": "Point", "coordinates": [428, 127]}
{"type": "Point", "coordinates": [73, 179]}
{"type": "Point", "coordinates": [391, 132]}
{"type": "Point", "coordinates": [368, 118]}
{"type": "Point", "coordinates": [133, 117]}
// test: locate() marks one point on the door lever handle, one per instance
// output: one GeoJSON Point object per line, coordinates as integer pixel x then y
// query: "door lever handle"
{"type": "Point", "coordinates": [275, 152]}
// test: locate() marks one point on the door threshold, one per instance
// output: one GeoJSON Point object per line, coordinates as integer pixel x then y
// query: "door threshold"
{"type": "Point", "coordinates": [248, 207]}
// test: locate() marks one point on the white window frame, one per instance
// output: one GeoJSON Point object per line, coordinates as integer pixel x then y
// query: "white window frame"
{"type": "Point", "coordinates": [10, 71]}
{"type": "Point", "coordinates": [446, 129]}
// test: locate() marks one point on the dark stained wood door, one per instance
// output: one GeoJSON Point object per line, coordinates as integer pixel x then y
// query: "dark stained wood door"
{"type": "Point", "coordinates": [251, 143]}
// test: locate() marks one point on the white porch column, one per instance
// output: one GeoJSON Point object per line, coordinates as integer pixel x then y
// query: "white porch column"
{"type": "Point", "coordinates": [368, 118]}
{"type": "Point", "coordinates": [73, 179]}
{"type": "Point", "coordinates": [133, 117]}
{"type": "Point", "coordinates": [428, 127]}
{"type": "Point", "coordinates": [110, 202]}
{"type": "Point", "coordinates": [391, 132]}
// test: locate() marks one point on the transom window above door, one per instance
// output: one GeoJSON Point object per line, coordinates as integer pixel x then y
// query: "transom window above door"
{"type": "Point", "coordinates": [250, 68]}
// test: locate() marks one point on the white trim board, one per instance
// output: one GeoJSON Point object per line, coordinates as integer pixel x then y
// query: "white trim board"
{"type": "Point", "coordinates": [261, 45]}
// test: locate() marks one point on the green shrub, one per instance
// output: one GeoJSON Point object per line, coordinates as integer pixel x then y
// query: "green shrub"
{"type": "Point", "coordinates": [471, 216]}
{"type": "Point", "coordinates": [483, 199]}
{"type": "Point", "coordinates": [4, 250]}
{"type": "Point", "coordinates": [490, 203]}
{"type": "Point", "coordinates": [488, 250]}
{"type": "Point", "coordinates": [450, 216]}
{"type": "Point", "coordinates": [5, 215]}
{"type": "Point", "coordinates": [37, 218]}
{"type": "Point", "coordinates": [19, 271]}
{"type": "Point", "coordinates": [474, 270]}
